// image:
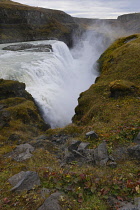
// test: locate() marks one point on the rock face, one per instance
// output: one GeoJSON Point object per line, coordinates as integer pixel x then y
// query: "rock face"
{"type": "Point", "coordinates": [23, 23]}
{"type": "Point", "coordinates": [18, 113]}
{"type": "Point", "coordinates": [129, 23]}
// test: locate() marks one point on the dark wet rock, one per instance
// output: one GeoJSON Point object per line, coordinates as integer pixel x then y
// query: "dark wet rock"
{"type": "Point", "coordinates": [14, 137]}
{"type": "Point", "coordinates": [30, 47]}
{"type": "Point", "coordinates": [68, 156]}
{"type": "Point", "coordinates": [101, 154]}
{"type": "Point", "coordinates": [28, 181]}
{"type": "Point", "coordinates": [59, 139]}
{"type": "Point", "coordinates": [22, 152]}
{"type": "Point", "coordinates": [134, 152]}
{"type": "Point", "coordinates": [91, 135]}
{"type": "Point", "coordinates": [52, 202]}
{"type": "Point", "coordinates": [137, 139]}
{"type": "Point", "coordinates": [44, 144]}
{"type": "Point", "coordinates": [112, 164]}
{"type": "Point", "coordinates": [74, 144]}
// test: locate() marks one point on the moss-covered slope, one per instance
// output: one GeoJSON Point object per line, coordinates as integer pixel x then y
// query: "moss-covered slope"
{"type": "Point", "coordinates": [20, 119]}
{"type": "Point", "coordinates": [114, 100]}
{"type": "Point", "coordinates": [23, 23]}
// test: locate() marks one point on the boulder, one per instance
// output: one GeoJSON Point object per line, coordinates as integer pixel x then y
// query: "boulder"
{"type": "Point", "coordinates": [134, 152]}
{"type": "Point", "coordinates": [120, 154]}
{"type": "Point", "coordinates": [74, 145]}
{"type": "Point", "coordinates": [82, 146]}
{"type": "Point", "coordinates": [52, 202]}
{"type": "Point", "coordinates": [14, 180]}
{"type": "Point", "coordinates": [91, 135]}
{"type": "Point", "coordinates": [25, 181]}
{"type": "Point", "coordinates": [101, 154]}
{"type": "Point", "coordinates": [21, 152]}
{"type": "Point", "coordinates": [122, 205]}
{"type": "Point", "coordinates": [137, 139]}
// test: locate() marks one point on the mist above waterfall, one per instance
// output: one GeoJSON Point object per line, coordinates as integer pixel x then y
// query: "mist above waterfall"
{"type": "Point", "coordinates": [55, 79]}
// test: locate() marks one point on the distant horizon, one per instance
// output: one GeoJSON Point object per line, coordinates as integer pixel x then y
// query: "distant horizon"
{"type": "Point", "coordinates": [91, 9]}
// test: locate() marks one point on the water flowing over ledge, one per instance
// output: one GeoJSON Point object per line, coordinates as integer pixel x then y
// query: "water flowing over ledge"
{"type": "Point", "coordinates": [55, 79]}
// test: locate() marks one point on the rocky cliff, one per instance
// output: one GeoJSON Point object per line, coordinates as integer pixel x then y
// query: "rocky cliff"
{"type": "Point", "coordinates": [129, 23]}
{"type": "Point", "coordinates": [23, 23]}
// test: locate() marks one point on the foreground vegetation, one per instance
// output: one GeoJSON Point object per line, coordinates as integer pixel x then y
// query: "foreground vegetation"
{"type": "Point", "coordinates": [111, 108]}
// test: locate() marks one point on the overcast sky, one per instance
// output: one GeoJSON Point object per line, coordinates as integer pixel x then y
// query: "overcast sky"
{"type": "Point", "coordinates": [89, 8]}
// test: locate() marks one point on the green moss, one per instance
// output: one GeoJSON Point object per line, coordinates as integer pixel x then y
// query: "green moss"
{"type": "Point", "coordinates": [19, 114]}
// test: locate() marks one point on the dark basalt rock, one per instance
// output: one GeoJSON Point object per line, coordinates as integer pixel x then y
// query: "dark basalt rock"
{"type": "Point", "coordinates": [30, 47]}
{"type": "Point", "coordinates": [25, 23]}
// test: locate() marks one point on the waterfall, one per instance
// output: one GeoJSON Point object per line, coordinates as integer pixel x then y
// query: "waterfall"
{"type": "Point", "coordinates": [55, 79]}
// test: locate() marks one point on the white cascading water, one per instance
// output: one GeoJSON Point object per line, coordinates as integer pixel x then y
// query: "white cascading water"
{"type": "Point", "coordinates": [55, 79]}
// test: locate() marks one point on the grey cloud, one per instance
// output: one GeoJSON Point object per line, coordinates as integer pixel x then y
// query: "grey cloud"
{"type": "Point", "coordinates": [89, 8]}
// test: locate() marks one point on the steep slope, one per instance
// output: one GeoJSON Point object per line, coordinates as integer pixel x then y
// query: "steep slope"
{"type": "Point", "coordinates": [112, 103]}
{"type": "Point", "coordinates": [20, 119]}
{"type": "Point", "coordinates": [23, 23]}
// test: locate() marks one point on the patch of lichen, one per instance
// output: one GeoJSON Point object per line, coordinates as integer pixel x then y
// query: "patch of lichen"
{"type": "Point", "coordinates": [113, 100]}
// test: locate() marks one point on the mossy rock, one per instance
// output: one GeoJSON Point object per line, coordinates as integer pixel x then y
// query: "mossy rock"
{"type": "Point", "coordinates": [122, 88]}
{"type": "Point", "coordinates": [19, 114]}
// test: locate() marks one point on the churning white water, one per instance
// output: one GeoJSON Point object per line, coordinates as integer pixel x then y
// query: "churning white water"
{"type": "Point", "coordinates": [55, 79]}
